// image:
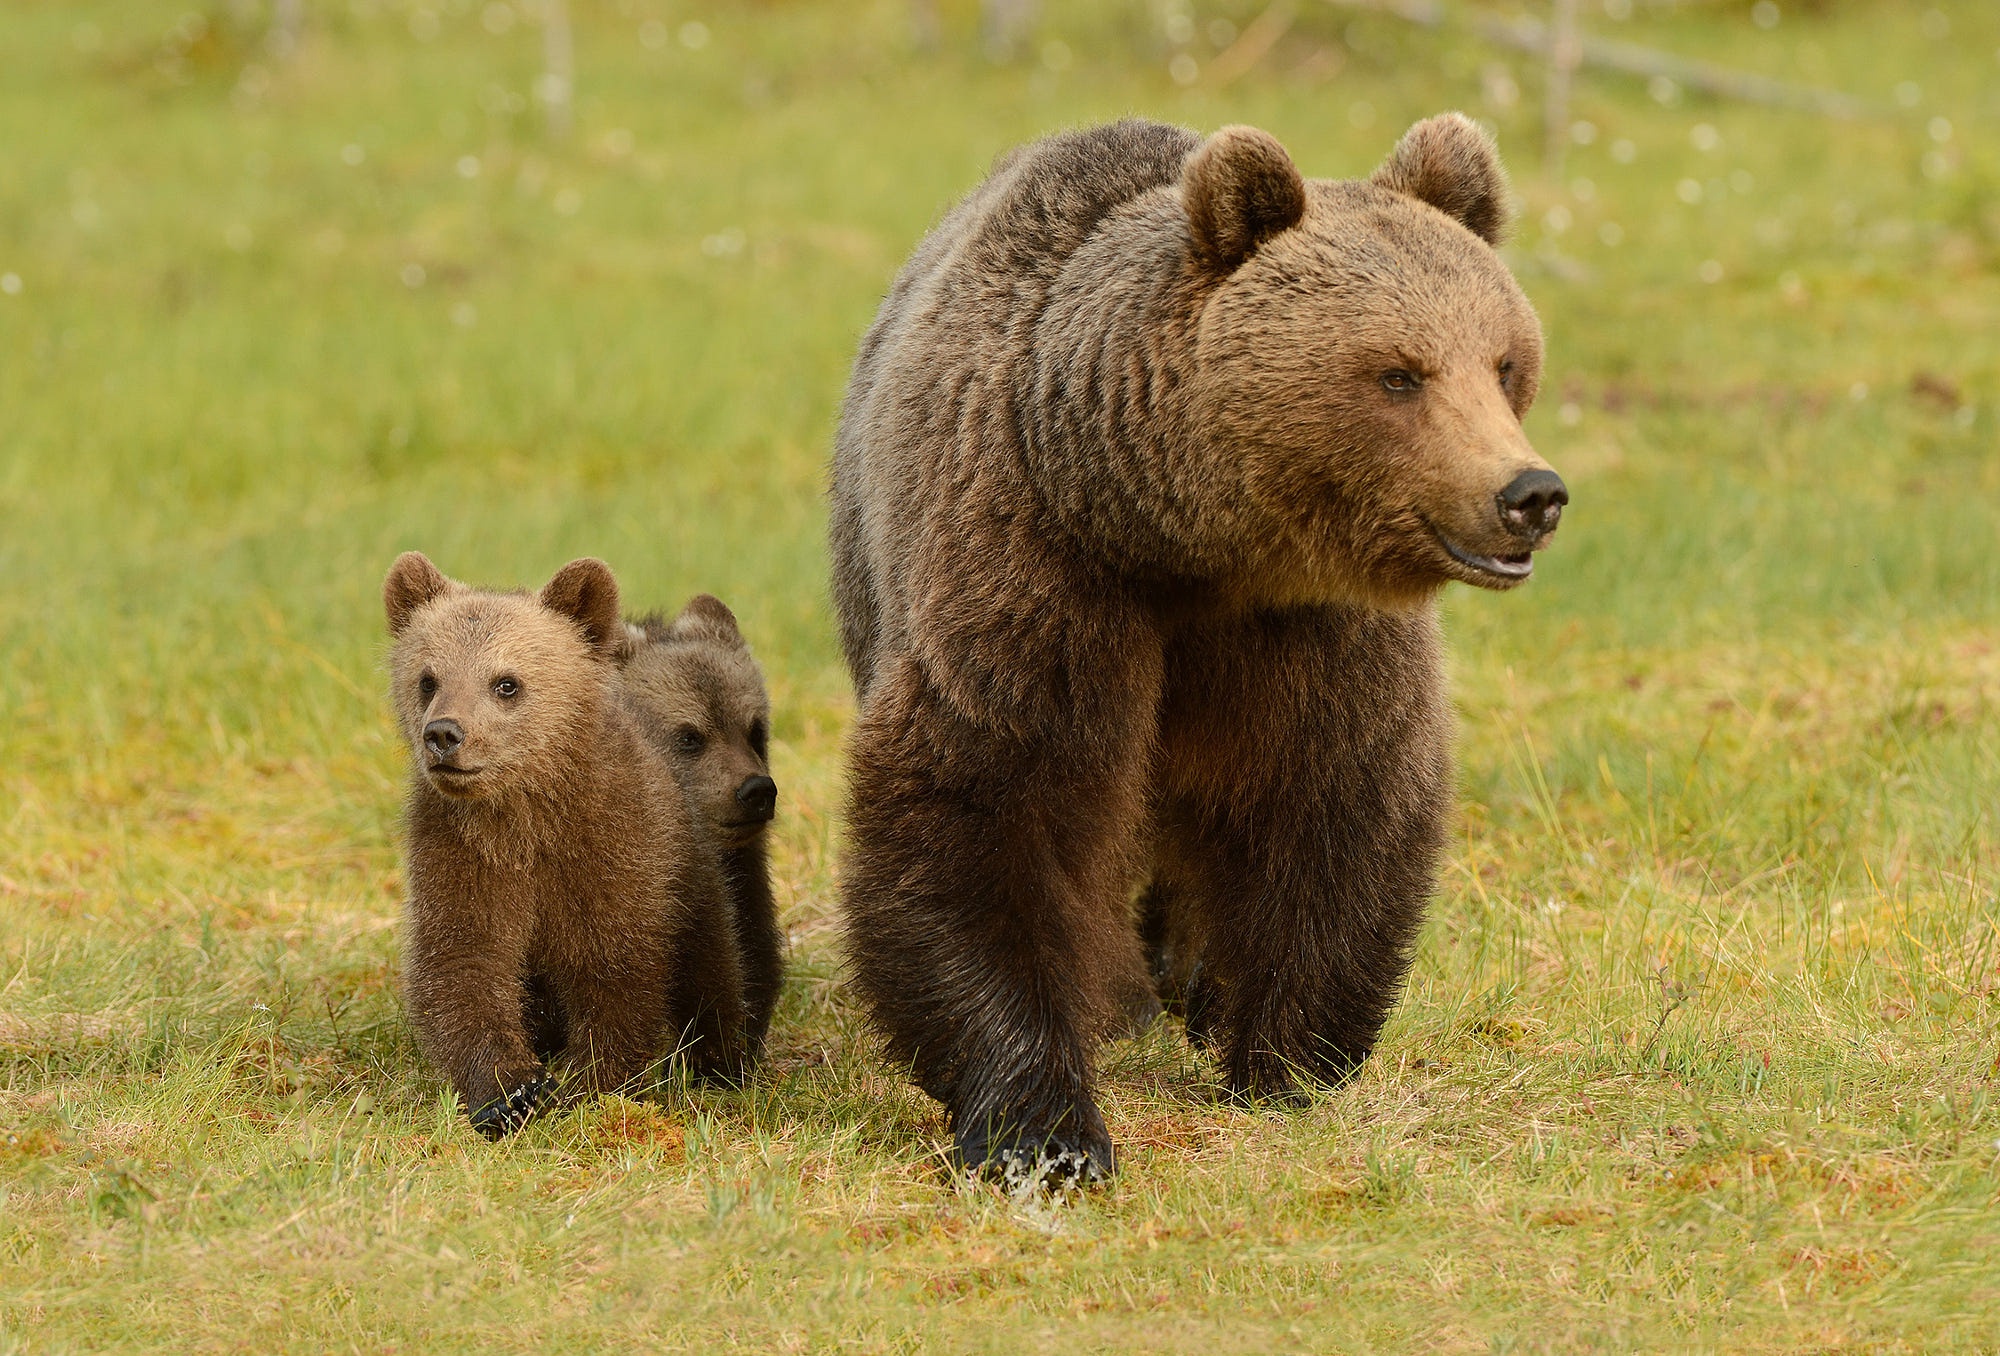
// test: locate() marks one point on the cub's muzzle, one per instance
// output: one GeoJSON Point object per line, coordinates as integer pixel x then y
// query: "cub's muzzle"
{"type": "Point", "coordinates": [442, 740]}
{"type": "Point", "coordinates": [759, 798]}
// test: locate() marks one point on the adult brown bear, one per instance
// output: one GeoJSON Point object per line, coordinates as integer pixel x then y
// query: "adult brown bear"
{"type": "Point", "coordinates": [1151, 469]}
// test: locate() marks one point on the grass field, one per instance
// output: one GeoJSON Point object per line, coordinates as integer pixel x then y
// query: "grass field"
{"type": "Point", "coordinates": [1700, 1051]}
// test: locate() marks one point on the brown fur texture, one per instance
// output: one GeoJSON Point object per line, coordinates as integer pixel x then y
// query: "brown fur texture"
{"type": "Point", "coordinates": [553, 867]}
{"type": "Point", "coordinates": [1151, 469]}
{"type": "Point", "coordinates": [699, 697]}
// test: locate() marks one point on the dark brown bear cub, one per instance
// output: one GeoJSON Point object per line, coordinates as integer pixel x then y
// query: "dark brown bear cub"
{"type": "Point", "coordinates": [1151, 469]}
{"type": "Point", "coordinates": [700, 699]}
{"type": "Point", "coordinates": [555, 877]}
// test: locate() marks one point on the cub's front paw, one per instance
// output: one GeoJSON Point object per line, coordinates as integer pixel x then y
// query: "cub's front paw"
{"type": "Point", "coordinates": [504, 1115]}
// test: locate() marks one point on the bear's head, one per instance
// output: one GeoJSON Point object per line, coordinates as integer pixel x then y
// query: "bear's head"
{"type": "Point", "coordinates": [1367, 359]}
{"type": "Point", "coordinates": [499, 693]}
{"type": "Point", "coordinates": [700, 699]}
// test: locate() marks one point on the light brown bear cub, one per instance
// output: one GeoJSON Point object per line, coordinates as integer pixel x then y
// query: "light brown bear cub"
{"type": "Point", "coordinates": [556, 881]}
{"type": "Point", "coordinates": [700, 699]}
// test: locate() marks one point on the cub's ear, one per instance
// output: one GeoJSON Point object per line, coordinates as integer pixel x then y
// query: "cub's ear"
{"type": "Point", "coordinates": [412, 582]}
{"type": "Point", "coordinates": [585, 592]}
{"type": "Point", "coordinates": [1452, 164]}
{"type": "Point", "coordinates": [1240, 189]}
{"type": "Point", "coordinates": [706, 617]}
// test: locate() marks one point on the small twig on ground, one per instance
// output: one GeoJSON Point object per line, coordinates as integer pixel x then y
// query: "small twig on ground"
{"type": "Point", "coordinates": [557, 85]}
{"type": "Point", "coordinates": [1254, 43]}
{"type": "Point", "coordinates": [1532, 36]}
{"type": "Point", "coordinates": [287, 22]}
{"type": "Point", "coordinates": [1674, 995]}
{"type": "Point", "coordinates": [1562, 56]}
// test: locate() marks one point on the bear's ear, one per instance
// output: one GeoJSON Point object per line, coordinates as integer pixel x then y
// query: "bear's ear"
{"type": "Point", "coordinates": [412, 582]}
{"type": "Point", "coordinates": [1451, 163]}
{"type": "Point", "coordinates": [1240, 189]}
{"type": "Point", "coordinates": [707, 617]}
{"type": "Point", "coordinates": [585, 592]}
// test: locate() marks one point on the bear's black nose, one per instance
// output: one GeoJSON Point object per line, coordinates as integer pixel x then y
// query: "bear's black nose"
{"type": "Point", "coordinates": [1532, 503]}
{"type": "Point", "coordinates": [442, 738]}
{"type": "Point", "coordinates": [758, 795]}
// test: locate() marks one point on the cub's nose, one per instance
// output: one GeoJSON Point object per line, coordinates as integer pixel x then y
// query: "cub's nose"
{"type": "Point", "coordinates": [1532, 503]}
{"type": "Point", "coordinates": [759, 796]}
{"type": "Point", "coordinates": [442, 737]}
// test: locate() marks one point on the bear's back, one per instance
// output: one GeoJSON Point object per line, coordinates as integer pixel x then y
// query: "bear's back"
{"type": "Point", "coordinates": [987, 265]}
{"type": "Point", "coordinates": [951, 350]}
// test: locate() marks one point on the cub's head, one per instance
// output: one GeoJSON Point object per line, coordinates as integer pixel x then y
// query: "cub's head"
{"type": "Point", "coordinates": [699, 696]}
{"type": "Point", "coordinates": [1366, 359]}
{"type": "Point", "coordinates": [499, 692]}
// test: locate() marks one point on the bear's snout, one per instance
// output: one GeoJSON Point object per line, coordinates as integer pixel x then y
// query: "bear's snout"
{"type": "Point", "coordinates": [1532, 504]}
{"type": "Point", "coordinates": [759, 798]}
{"type": "Point", "coordinates": [442, 740]}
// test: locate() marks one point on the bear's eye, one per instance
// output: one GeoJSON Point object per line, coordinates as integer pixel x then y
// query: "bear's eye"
{"type": "Point", "coordinates": [1507, 375]}
{"type": "Point", "coordinates": [758, 735]}
{"type": "Point", "coordinates": [1401, 381]}
{"type": "Point", "coordinates": [507, 687]}
{"type": "Point", "coordinates": [427, 686]}
{"type": "Point", "coordinates": [688, 740]}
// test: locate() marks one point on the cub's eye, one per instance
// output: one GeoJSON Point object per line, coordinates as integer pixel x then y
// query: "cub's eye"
{"type": "Point", "coordinates": [1507, 375]}
{"type": "Point", "coordinates": [507, 688]}
{"type": "Point", "coordinates": [758, 736]}
{"type": "Point", "coordinates": [427, 686]}
{"type": "Point", "coordinates": [1401, 381]}
{"type": "Point", "coordinates": [689, 740]}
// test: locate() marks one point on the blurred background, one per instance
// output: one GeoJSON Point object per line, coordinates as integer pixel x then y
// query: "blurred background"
{"type": "Point", "coordinates": [290, 285]}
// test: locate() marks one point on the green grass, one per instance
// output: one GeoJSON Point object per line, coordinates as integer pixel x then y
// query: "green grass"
{"type": "Point", "coordinates": [1700, 1048]}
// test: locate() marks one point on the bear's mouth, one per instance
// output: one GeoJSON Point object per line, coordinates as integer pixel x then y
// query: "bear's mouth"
{"type": "Point", "coordinates": [740, 832]}
{"type": "Point", "coordinates": [450, 777]}
{"type": "Point", "coordinates": [1489, 571]}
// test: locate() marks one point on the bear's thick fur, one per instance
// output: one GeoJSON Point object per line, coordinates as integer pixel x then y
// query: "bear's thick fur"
{"type": "Point", "coordinates": [560, 898]}
{"type": "Point", "coordinates": [699, 696]}
{"type": "Point", "coordinates": [1151, 468]}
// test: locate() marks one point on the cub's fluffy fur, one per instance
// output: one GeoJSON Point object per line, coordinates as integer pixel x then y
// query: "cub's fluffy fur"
{"type": "Point", "coordinates": [556, 882]}
{"type": "Point", "coordinates": [700, 699]}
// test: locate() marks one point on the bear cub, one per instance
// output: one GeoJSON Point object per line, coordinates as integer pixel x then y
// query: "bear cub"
{"type": "Point", "coordinates": [558, 886]}
{"type": "Point", "coordinates": [699, 697]}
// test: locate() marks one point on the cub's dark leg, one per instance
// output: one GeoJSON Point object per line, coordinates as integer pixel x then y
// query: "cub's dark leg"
{"type": "Point", "coordinates": [759, 942]}
{"type": "Point", "coordinates": [986, 889]}
{"type": "Point", "coordinates": [705, 998]}
{"type": "Point", "coordinates": [1306, 784]}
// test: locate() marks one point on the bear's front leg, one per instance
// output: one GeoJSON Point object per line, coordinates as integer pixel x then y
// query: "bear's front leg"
{"type": "Point", "coordinates": [985, 889]}
{"type": "Point", "coordinates": [760, 942]}
{"type": "Point", "coordinates": [1305, 784]}
{"type": "Point", "coordinates": [466, 990]}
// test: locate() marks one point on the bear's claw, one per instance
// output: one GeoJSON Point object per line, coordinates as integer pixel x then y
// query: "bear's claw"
{"type": "Point", "coordinates": [504, 1115]}
{"type": "Point", "coordinates": [1020, 1172]}
{"type": "Point", "coordinates": [1051, 1162]}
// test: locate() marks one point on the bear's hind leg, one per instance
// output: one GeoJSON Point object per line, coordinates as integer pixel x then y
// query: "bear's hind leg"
{"type": "Point", "coordinates": [615, 1007]}
{"type": "Point", "coordinates": [548, 1026]}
